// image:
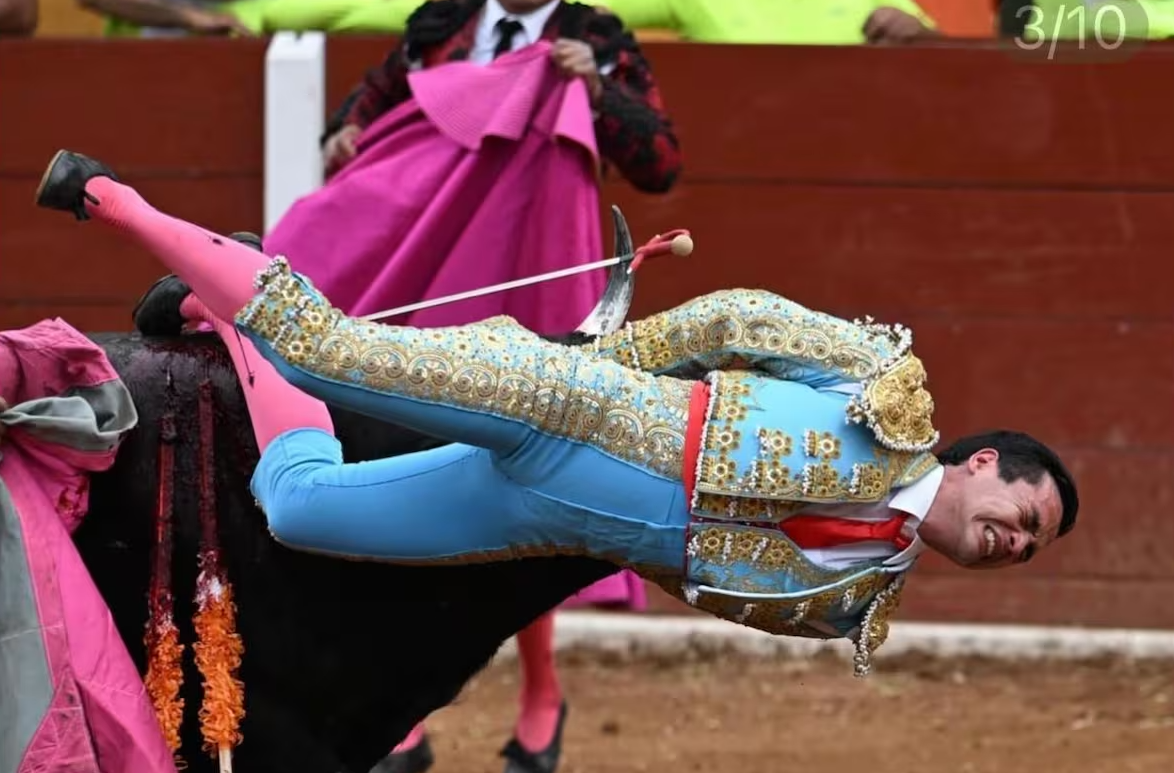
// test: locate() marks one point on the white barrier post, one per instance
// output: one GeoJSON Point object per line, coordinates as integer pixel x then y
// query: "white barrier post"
{"type": "Point", "coordinates": [295, 102]}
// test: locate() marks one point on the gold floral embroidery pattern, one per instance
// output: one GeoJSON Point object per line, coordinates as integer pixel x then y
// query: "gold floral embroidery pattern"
{"type": "Point", "coordinates": [733, 328]}
{"type": "Point", "coordinates": [494, 367]}
{"type": "Point", "coordinates": [773, 443]}
{"type": "Point", "coordinates": [722, 437]}
{"type": "Point", "coordinates": [768, 553]}
{"type": "Point", "coordinates": [746, 508]}
{"type": "Point", "coordinates": [898, 408]}
{"type": "Point", "coordinates": [823, 445]}
{"type": "Point", "coordinates": [732, 323]}
{"type": "Point", "coordinates": [760, 550]}
{"type": "Point", "coordinates": [617, 347]}
{"type": "Point", "coordinates": [725, 491]}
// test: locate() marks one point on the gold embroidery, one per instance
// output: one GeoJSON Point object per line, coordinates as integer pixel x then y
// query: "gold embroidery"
{"type": "Point", "coordinates": [747, 508]}
{"type": "Point", "coordinates": [770, 616]}
{"type": "Point", "coordinates": [824, 602]}
{"type": "Point", "coordinates": [724, 491]}
{"type": "Point", "coordinates": [822, 481]}
{"type": "Point", "coordinates": [918, 469]}
{"type": "Point", "coordinates": [725, 329]}
{"type": "Point", "coordinates": [720, 327]}
{"type": "Point", "coordinates": [763, 552]}
{"type": "Point", "coordinates": [898, 408]}
{"type": "Point", "coordinates": [870, 482]}
{"type": "Point", "coordinates": [874, 628]}
{"type": "Point", "coordinates": [621, 354]}
{"type": "Point", "coordinates": [780, 616]}
{"type": "Point", "coordinates": [494, 367]}
{"type": "Point", "coordinates": [727, 437]}
{"type": "Point", "coordinates": [773, 443]}
{"type": "Point", "coordinates": [823, 445]}
{"type": "Point", "coordinates": [789, 617]}
{"type": "Point", "coordinates": [760, 550]}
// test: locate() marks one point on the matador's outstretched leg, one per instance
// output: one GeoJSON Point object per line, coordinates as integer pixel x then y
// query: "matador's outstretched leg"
{"type": "Point", "coordinates": [550, 441]}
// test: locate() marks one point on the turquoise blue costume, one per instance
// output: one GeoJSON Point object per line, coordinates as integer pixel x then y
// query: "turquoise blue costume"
{"type": "Point", "coordinates": [581, 449]}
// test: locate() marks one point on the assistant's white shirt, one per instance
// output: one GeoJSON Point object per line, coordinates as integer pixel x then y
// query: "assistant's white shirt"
{"type": "Point", "coordinates": [487, 33]}
{"type": "Point", "coordinates": [914, 500]}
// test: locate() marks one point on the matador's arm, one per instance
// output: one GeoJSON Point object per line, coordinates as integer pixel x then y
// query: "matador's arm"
{"type": "Point", "coordinates": [754, 329]}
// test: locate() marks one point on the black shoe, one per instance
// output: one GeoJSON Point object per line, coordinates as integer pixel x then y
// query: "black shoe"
{"type": "Point", "coordinates": [157, 312]}
{"type": "Point", "coordinates": [519, 760]}
{"type": "Point", "coordinates": [63, 186]}
{"type": "Point", "coordinates": [415, 760]}
{"type": "Point", "coordinates": [247, 238]}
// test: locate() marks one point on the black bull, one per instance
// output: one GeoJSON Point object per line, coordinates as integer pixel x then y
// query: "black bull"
{"type": "Point", "coordinates": [341, 657]}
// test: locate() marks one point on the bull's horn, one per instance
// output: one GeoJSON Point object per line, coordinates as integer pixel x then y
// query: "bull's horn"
{"type": "Point", "coordinates": [612, 310]}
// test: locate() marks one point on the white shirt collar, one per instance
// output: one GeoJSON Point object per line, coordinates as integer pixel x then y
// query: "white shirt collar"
{"type": "Point", "coordinates": [916, 500]}
{"type": "Point", "coordinates": [532, 23]}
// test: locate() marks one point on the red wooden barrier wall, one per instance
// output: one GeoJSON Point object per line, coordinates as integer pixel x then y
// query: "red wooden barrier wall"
{"type": "Point", "coordinates": [1019, 217]}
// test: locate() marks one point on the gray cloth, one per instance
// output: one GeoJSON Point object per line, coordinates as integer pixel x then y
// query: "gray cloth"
{"type": "Point", "coordinates": [91, 419]}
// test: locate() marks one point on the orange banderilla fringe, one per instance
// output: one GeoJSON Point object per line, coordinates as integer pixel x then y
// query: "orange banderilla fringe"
{"type": "Point", "coordinates": [219, 647]}
{"type": "Point", "coordinates": [164, 650]}
{"type": "Point", "coordinates": [218, 656]}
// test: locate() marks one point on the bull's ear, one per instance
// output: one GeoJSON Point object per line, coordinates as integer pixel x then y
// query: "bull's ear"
{"type": "Point", "coordinates": [611, 312]}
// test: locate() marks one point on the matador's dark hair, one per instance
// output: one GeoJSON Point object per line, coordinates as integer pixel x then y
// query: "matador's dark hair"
{"type": "Point", "coordinates": [1020, 457]}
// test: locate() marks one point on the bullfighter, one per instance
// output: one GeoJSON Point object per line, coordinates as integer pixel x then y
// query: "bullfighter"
{"type": "Point", "coordinates": [766, 463]}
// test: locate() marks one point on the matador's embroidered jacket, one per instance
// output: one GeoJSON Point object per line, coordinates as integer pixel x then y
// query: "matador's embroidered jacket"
{"type": "Point", "coordinates": [805, 408]}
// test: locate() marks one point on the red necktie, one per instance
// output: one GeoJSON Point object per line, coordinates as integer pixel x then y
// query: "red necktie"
{"type": "Point", "coordinates": [819, 531]}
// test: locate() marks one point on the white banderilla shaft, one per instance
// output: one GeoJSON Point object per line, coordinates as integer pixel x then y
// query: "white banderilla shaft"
{"type": "Point", "coordinates": [680, 245]}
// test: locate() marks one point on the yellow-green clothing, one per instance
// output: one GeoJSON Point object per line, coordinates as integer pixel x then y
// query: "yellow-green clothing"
{"type": "Point", "coordinates": [358, 16]}
{"type": "Point", "coordinates": [811, 22]}
{"type": "Point", "coordinates": [800, 22]}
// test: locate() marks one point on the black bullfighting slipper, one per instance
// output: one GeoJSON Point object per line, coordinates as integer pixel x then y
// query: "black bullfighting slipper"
{"type": "Point", "coordinates": [520, 760]}
{"type": "Point", "coordinates": [157, 312]}
{"type": "Point", "coordinates": [63, 186]}
{"type": "Point", "coordinates": [415, 760]}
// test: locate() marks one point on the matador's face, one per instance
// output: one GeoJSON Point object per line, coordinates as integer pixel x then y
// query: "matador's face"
{"type": "Point", "coordinates": [990, 522]}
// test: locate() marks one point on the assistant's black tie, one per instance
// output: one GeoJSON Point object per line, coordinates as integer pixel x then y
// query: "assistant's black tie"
{"type": "Point", "coordinates": [507, 29]}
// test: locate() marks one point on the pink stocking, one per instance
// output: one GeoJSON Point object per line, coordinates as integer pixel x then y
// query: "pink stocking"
{"type": "Point", "coordinates": [219, 270]}
{"type": "Point", "coordinates": [274, 405]}
{"type": "Point", "coordinates": [541, 694]}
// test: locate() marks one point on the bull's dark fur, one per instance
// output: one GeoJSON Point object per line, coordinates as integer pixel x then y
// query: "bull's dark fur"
{"type": "Point", "coordinates": [341, 657]}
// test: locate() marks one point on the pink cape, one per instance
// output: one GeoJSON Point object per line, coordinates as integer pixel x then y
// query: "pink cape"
{"type": "Point", "coordinates": [488, 174]}
{"type": "Point", "coordinates": [72, 701]}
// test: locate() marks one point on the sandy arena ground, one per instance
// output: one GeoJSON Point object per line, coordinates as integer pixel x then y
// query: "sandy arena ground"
{"type": "Point", "coordinates": [727, 714]}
